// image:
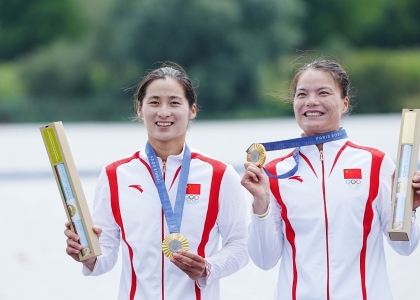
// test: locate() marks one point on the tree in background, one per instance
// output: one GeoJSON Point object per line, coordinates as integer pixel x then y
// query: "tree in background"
{"type": "Point", "coordinates": [399, 26]}
{"type": "Point", "coordinates": [220, 43]}
{"type": "Point", "coordinates": [229, 47]}
{"type": "Point", "coordinates": [26, 25]}
{"type": "Point", "coordinates": [359, 23]}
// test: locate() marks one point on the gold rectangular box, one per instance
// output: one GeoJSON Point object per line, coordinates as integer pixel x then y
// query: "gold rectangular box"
{"type": "Point", "coordinates": [70, 188]}
{"type": "Point", "coordinates": [406, 166]}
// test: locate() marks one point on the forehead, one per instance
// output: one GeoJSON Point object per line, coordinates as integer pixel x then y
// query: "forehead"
{"type": "Point", "coordinates": [312, 78]}
{"type": "Point", "coordinates": [165, 85]}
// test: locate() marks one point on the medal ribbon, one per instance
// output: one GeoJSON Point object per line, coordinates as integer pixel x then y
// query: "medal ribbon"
{"type": "Point", "coordinates": [173, 217]}
{"type": "Point", "coordinates": [299, 142]}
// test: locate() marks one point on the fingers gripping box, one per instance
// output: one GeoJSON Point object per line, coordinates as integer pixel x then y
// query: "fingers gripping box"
{"type": "Point", "coordinates": [70, 188]}
{"type": "Point", "coordinates": [402, 192]}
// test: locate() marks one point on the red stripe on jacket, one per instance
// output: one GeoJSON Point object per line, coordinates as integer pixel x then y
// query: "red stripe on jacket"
{"type": "Point", "coordinates": [290, 233]}
{"type": "Point", "coordinates": [377, 158]}
{"type": "Point", "coordinates": [213, 206]}
{"type": "Point", "coordinates": [111, 172]}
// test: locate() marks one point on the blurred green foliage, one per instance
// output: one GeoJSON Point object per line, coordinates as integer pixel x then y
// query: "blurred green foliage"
{"type": "Point", "coordinates": [385, 81]}
{"type": "Point", "coordinates": [359, 23]}
{"type": "Point", "coordinates": [221, 44]}
{"type": "Point", "coordinates": [25, 25]}
{"type": "Point", "coordinates": [239, 53]}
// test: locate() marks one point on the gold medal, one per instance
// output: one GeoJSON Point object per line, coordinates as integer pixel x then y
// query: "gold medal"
{"type": "Point", "coordinates": [256, 154]}
{"type": "Point", "coordinates": [174, 242]}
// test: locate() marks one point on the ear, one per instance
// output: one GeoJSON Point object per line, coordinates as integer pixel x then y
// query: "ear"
{"type": "Point", "coordinates": [139, 112]}
{"type": "Point", "coordinates": [346, 105]}
{"type": "Point", "coordinates": [193, 112]}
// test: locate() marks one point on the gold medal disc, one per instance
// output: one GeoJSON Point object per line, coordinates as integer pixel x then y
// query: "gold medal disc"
{"type": "Point", "coordinates": [174, 242]}
{"type": "Point", "coordinates": [256, 154]}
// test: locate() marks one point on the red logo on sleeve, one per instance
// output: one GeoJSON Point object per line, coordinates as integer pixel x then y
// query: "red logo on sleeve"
{"type": "Point", "coordinates": [352, 173]}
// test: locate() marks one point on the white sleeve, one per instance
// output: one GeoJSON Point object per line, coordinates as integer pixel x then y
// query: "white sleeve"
{"type": "Point", "coordinates": [384, 207]}
{"type": "Point", "coordinates": [266, 239]}
{"type": "Point", "coordinates": [232, 224]}
{"type": "Point", "coordinates": [110, 237]}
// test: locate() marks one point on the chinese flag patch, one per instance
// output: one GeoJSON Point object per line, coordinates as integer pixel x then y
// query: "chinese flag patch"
{"type": "Point", "coordinates": [352, 173]}
{"type": "Point", "coordinates": [193, 189]}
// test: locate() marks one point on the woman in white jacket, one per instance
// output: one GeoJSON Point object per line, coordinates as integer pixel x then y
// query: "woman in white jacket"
{"type": "Point", "coordinates": [326, 221]}
{"type": "Point", "coordinates": [167, 205]}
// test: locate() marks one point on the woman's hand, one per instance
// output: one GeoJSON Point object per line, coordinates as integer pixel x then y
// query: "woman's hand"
{"type": "Point", "coordinates": [191, 264]}
{"type": "Point", "coordinates": [73, 247]}
{"type": "Point", "coordinates": [256, 182]}
{"type": "Point", "coordinates": [416, 187]}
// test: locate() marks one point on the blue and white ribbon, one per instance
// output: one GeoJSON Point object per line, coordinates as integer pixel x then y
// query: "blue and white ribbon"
{"type": "Point", "coordinates": [300, 142]}
{"type": "Point", "coordinates": [173, 217]}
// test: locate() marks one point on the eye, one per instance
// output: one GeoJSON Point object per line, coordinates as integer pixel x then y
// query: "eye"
{"type": "Point", "coordinates": [325, 92]}
{"type": "Point", "coordinates": [175, 101]}
{"type": "Point", "coordinates": [300, 95]}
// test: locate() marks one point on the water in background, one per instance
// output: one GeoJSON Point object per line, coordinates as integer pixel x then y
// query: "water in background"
{"type": "Point", "coordinates": [33, 262]}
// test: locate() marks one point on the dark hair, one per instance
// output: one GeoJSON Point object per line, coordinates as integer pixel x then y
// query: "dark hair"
{"type": "Point", "coordinates": [333, 68]}
{"type": "Point", "coordinates": [171, 70]}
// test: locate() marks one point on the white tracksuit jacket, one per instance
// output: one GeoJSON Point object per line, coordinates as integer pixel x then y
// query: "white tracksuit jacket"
{"type": "Point", "coordinates": [326, 224]}
{"type": "Point", "coordinates": [128, 209]}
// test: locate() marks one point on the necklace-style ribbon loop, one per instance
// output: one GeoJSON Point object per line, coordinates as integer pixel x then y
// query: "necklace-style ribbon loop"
{"type": "Point", "coordinates": [300, 142]}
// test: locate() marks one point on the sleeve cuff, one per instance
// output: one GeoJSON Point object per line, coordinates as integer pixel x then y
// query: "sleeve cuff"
{"type": "Point", "coordinates": [86, 271]}
{"type": "Point", "coordinates": [202, 282]}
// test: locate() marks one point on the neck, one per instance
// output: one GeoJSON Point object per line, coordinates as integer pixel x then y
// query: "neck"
{"type": "Point", "coordinates": [164, 149]}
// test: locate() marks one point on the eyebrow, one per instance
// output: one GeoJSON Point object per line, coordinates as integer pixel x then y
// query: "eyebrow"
{"type": "Point", "coordinates": [318, 89]}
{"type": "Point", "coordinates": [170, 97]}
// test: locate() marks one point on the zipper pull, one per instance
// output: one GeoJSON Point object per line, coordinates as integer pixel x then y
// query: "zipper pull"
{"type": "Point", "coordinates": [163, 167]}
{"type": "Point", "coordinates": [321, 155]}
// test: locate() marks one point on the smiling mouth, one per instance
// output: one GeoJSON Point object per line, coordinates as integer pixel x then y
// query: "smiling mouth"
{"type": "Point", "coordinates": [164, 124]}
{"type": "Point", "coordinates": [313, 114]}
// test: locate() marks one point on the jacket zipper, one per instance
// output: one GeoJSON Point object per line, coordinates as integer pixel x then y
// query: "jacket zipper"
{"type": "Point", "coordinates": [164, 168]}
{"type": "Point", "coordinates": [321, 157]}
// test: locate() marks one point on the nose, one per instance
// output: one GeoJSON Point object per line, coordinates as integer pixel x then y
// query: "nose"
{"type": "Point", "coordinates": [312, 100]}
{"type": "Point", "coordinates": [164, 111]}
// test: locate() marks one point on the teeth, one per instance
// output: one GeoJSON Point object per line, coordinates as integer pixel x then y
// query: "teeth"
{"type": "Point", "coordinates": [313, 114]}
{"type": "Point", "coordinates": [163, 123]}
